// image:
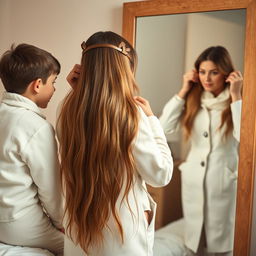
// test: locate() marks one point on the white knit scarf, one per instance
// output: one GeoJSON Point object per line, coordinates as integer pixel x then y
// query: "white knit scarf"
{"type": "Point", "coordinates": [220, 102]}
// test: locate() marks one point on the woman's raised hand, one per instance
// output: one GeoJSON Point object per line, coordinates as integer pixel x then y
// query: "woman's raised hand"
{"type": "Point", "coordinates": [73, 75]}
{"type": "Point", "coordinates": [188, 79]}
{"type": "Point", "coordinates": [235, 80]}
{"type": "Point", "coordinates": [144, 104]}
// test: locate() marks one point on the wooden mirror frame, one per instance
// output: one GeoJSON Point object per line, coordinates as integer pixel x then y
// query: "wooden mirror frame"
{"type": "Point", "coordinates": [247, 155]}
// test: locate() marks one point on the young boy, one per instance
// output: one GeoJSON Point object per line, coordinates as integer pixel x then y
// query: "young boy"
{"type": "Point", "coordinates": [30, 195]}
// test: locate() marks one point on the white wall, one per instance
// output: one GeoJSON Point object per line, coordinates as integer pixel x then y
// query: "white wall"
{"type": "Point", "coordinates": [58, 26]}
{"type": "Point", "coordinates": [4, 26]}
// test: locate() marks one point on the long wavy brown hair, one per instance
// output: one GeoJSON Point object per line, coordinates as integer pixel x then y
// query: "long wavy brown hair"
{"type": "Point", "coordinates": [221, 58]}
{"type": "Point", "coordinates": [98, 123]}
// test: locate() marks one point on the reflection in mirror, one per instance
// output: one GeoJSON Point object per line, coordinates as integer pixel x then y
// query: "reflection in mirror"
{"type": "Point", "coordinates": [167, 47]}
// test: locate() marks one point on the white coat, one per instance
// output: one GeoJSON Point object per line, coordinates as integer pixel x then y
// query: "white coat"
{"type": "Point", "coordinates": [154, 166]}
{"type": "Point", "coordinates": [29, 167]}
{"type": "Point", "coordinates": [209, 175]}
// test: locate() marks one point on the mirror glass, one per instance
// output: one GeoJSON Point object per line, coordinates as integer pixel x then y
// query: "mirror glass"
{"type": "Point", "coordinates": [167, 47]}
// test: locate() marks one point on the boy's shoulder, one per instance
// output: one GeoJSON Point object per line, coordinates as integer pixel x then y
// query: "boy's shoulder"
{"type": "Point", "coordinates": [20, 111]}
{"type": "Point", "coordinates": [33, 119]}
{"type": "Point", "coordinates": [32, 123]}
{"type": "Point", "coordinates": [23, 121]}
{"type": "Point", "coordinates": [20, 126]}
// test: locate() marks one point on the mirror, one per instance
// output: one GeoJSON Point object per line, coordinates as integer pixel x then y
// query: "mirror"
{"type": "Point", "coordinates": [133, 11]}
{"type": "Point", "coordinates": [167, 46]}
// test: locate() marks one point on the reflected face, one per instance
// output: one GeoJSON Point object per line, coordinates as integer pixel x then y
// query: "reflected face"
{"type": "Point", "coordinates": [211, 78]}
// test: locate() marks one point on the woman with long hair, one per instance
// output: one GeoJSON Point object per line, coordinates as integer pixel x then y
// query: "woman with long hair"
{"type": "Point", "coordinates": [111, 144]}
{"type": "Point", "coordinates": [208, 107]}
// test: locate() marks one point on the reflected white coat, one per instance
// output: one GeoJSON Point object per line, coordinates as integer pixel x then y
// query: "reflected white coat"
{"type": "Point", "coordinates": [209, 175]}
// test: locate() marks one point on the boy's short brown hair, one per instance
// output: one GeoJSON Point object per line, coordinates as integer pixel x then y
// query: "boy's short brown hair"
{"type": "Point", "coordinates": [25, 63]}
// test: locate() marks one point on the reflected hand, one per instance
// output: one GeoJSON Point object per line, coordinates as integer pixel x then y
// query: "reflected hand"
{"type": "Point", "coordinates": [236, 83]}
{"type": "Point", "coordinates": [73, 75]}
{"type": "Point", "coordinates": [144, 104]}
{"type": "Point", "coordinates": [189, 79]}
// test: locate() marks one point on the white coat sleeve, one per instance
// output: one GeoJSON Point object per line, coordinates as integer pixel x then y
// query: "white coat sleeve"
{"type": "Point", "coordinates": [236, 110]}
{"type": "Point", "coordinates": [170, 118]}
{"type": "Point", "coordinates": [151, 152]}
{"type": "Point", "coordinates": [40, 155]}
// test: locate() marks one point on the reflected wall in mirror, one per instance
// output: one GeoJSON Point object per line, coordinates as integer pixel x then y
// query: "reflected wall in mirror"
{"type": "Point", "coordinates": [135, 10]}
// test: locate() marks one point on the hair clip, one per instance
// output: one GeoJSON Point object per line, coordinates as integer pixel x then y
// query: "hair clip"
{"type": "Point", "coordinates": [83, 45]}
{"type": "Point", "coordinates": [124, 49]}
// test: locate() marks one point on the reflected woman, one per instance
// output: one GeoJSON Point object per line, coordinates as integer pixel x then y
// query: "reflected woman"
{"type": "Point", "coordinates": [208, 107]}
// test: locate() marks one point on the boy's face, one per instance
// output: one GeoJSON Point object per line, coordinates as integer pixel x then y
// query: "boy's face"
{"type": "Point", "coordinates": [46, 91]}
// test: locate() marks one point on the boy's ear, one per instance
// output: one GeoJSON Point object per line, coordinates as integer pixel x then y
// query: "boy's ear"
{"type": "Point", "coordinates": [35, 85]}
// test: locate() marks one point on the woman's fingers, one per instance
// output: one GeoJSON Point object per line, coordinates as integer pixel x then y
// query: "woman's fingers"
{"type": "Point", "coordinates": [141, 100]}
{"type": "Point", "coordinates": [236, 82]}
{"type": "Point", "coordinates": [144, 104]}
{"type": "Point", "coordinates": [73, 75]}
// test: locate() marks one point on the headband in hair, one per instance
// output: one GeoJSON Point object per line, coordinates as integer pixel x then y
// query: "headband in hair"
{"type": "Point", "coordinates": [121, 48]}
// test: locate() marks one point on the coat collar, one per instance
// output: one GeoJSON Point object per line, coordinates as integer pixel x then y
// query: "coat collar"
{"type": "Point", "coordinates": [17, 100]}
